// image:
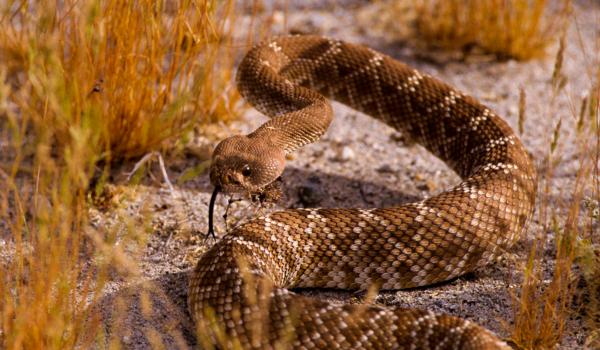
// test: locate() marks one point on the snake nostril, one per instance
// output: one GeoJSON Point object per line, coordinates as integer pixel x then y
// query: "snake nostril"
{"type": "Point", "coordinates": [232, 180]}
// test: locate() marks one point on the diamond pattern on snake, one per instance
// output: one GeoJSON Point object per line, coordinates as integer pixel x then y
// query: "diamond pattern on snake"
{"type": "Point", "coordinates": [240, 290]}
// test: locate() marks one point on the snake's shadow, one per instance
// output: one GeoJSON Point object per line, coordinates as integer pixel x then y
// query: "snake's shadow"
{"type": "Point", "coordinates": [314, 188]}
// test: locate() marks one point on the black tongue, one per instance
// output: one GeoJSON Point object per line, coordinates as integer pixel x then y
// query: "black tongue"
{"type": "Point", "coordinates": [211, 210]}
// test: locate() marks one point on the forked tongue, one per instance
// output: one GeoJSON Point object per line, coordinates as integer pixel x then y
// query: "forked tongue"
{"type": "Point", "coordinates": [211, 210]}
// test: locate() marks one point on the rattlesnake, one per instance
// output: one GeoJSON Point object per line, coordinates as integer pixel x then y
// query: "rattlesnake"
{"type": "Point", "coordinates": [239, 293]}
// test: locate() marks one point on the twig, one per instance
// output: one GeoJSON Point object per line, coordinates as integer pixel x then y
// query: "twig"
{"type": "Point", "coordinates": [145, 159]}
{"type": "Point", "coordinates": [163, 170]}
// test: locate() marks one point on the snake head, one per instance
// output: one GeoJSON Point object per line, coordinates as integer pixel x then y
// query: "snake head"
{"type": "Point", "coordinates": [245, 165]}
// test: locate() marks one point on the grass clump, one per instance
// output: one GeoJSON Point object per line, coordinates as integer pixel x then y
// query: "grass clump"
{"type": "Point", "coordinates": [135, 75]}
{"type": "Point", "coordinates": [520, 29]}
{"type": "Point", "coordinates": [84, 83]}
{"type": "Point", "coordinates": [547, 301]}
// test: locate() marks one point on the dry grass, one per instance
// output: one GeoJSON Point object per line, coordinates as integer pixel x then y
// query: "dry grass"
{"type": "Point", "coordinates": [520, 29]}
{"type": "Point", "coordinates": [588, 246]}
{"type": "Point", "coordinates": [546, 302]}
{"type": "Point", "coordinates": [84, 83]}
{"type": "Point", "coordinates": [139, 74]}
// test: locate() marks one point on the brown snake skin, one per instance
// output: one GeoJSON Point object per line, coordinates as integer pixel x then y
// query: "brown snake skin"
{"type": "Point", "coordinates": [239, 291]}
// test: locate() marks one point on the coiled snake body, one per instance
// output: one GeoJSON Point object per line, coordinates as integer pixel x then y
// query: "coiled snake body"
{"type": "Point", "coordinates": [239, 289]}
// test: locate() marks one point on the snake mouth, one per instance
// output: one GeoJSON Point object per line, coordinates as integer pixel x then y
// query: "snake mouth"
{"type": "Point", "coordinates": [265, 195]}
{"type": "Point", "coordinates": [268, 194]}
{"type": "Point", "coordinates": [254, 196]}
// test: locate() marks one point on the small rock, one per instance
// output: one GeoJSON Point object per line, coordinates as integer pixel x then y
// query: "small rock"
{"type": "Point", "coordinates": [310, 192]}
{"type": "Point", "coordinates": [401, 138]}
{"type": "Point", "coordinates": [156, 258]}
{"type": "Point", "coordinates": [386, 168]}
{"type": "Point", "coordinates": [427, 186]}
{"type": "Point", "coordinates": [377, 147]}
{"type": "Point", "coordinates": [419, 177]}
{"type": "Point", "coordinates": [161, 206]}
{"type": "Point", "coordinates": [306, 27]}
{"type": "Point", "coordinates": [126, 339]}
{"type": "Point", "coordinates": [318, 153]}
{"type": "Point", "coordinates": [345, 154]}
{"type": "Point", "coordinates": [424, 182]}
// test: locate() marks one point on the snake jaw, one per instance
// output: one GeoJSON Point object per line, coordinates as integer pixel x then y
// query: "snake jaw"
{"type": "Point", "coordinates": [270, 194]}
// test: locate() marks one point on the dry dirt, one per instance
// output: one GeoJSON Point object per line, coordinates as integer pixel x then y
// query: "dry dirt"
{"type": "Point", "coordinates": [360, 162]}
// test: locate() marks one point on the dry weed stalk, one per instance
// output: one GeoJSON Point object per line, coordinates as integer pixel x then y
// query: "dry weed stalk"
{"type": "Point", "coordinates": [588, 248]}
{"type": "Point", "coordinates": [522, 103]}
{"type": "Point", "coordinates": [544, 304]}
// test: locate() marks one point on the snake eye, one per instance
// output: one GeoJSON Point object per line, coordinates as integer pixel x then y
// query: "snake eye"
{"type": "Point", "coordinates": [246, 170]}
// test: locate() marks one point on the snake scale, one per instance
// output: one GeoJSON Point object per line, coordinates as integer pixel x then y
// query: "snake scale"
{"type": "Point", "coordinates": [239, 292]}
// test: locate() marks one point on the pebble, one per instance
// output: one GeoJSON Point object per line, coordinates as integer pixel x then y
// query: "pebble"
{"type": "Point", "coordinates": [310, 193]}
{"type": "Point", "coordinates": [401, 138]}
{"type": "Point", "coordinates": [345, 154]}
{"type": "Point", "coordinates": [386, 168]}
{"type": "Point", "coordinates": [318, 153]}
{"type": "Point", "coordinates": [156, 258]}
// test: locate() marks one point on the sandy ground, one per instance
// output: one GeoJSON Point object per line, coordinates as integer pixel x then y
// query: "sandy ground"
{"type": "Point", "coordinates": [360, 162]}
